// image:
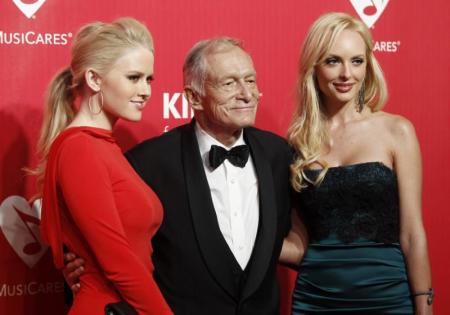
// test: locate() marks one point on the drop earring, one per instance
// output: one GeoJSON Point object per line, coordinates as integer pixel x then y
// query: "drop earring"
{"type": "Point", "coordinates": [101, 104]}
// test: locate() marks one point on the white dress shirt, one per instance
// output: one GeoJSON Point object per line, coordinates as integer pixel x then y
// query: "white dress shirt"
{"type": "Point", "coordinates": [234, 192]}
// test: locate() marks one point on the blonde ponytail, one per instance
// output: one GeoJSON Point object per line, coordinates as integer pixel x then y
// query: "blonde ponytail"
{"type": "Point", "coordinates": [97, 45]}
{"type": "Point", "coordinates": [59, 112]}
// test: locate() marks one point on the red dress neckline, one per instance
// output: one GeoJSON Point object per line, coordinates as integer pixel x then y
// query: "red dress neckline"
{"type": "Point", "coordinates": [93, 131]}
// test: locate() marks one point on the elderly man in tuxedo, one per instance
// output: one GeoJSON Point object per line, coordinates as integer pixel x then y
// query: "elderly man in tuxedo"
{"type": "Point", "coordinates": [224, 186]}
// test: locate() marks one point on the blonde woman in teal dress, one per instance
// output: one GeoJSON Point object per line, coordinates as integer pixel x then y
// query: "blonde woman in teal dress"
{"type": "Point", "coordinates": [357, 233]}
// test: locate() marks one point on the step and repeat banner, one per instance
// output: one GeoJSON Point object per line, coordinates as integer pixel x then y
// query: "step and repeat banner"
{"type": "Point", "coordinates": [411, 43]}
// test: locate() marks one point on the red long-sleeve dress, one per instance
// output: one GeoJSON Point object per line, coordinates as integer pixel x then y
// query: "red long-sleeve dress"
{"type": "Point", "coordinates": [96, 205]}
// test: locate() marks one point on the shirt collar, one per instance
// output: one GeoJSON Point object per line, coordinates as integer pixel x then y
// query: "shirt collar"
{"type": "Point", "coordinates": [205, 141]}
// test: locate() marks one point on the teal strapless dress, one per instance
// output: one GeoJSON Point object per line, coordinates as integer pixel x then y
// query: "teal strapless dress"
{"type": "Point", "coordinates": [354, 263]}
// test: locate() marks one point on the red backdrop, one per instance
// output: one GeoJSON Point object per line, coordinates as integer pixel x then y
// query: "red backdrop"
{"type": "Point", "coordinates": [35, 38]}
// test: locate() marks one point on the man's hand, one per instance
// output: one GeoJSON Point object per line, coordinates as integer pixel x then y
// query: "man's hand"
{"type": "Point", "coordinates": [74, 268]}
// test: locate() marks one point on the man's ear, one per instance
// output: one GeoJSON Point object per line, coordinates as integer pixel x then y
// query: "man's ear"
{"type": "Point", "coordinates": [193, 98]}
{"type": "Point", "coordinates": [93, 79]}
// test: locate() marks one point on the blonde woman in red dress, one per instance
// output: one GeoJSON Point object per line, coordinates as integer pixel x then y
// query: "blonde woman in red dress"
{"type": "Point", "coordinates": [93, 201]}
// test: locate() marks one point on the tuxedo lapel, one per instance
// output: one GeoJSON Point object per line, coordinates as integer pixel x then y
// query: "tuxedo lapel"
{"type": "Point", "coordinates": [264, 244]}
{"type": "Point", "coordinates": [216, 253]}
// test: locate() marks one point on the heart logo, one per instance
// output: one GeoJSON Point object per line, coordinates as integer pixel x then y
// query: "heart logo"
{"type": "Point", "coordinates": [20, 224]}
{"type": "Point", "coordinates": [29, 9]}
{"type": "Point", "coordinates": [369, 10]}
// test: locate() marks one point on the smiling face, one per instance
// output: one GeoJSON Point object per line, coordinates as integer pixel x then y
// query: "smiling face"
{"type": "Point", "coordinates": [343, 69]}
{"type": "Point", "coordinates": [230, 97]}
{"type": "Point", "coordinates": [126, 87]}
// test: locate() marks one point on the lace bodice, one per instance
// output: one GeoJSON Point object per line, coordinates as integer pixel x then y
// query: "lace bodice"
{"type": "Point", "coordinates": [353, 202]}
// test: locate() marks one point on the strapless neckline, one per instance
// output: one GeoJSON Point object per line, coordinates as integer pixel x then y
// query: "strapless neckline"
{"type": "Point", "coordinates": [355, 165]}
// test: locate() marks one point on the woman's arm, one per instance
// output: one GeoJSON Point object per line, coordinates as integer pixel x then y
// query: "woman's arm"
{"type": "Point", "coordinates": [408, 166]}
{"type": "Point", "coordinates": [294, 244]}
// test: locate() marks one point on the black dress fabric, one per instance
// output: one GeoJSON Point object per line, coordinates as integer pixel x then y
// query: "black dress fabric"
{"type": "Point", "coordinates": [354, 263]}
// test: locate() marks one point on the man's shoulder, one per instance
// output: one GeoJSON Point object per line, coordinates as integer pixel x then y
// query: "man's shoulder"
{"type": "Point", "coordinates": [265, 135]}
{"type": "Point", "coordinates": [274, 146]}
{"type": "Point", "coordinates": [165, 140]}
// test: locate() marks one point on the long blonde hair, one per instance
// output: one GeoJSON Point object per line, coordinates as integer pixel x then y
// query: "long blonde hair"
{"type": "Point", "coordinates": [307, 133]}
{"type": "Point", "coordinates": [97, 45]}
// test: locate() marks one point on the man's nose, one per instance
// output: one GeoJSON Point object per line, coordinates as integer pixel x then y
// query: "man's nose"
{"type": "Point", "coordinates": [245, 91]}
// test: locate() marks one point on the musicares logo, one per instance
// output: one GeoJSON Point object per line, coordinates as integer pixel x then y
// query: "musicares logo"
{"type": "Point", "coordinates": [20, 224]}
{"type": "Point", "coordinates": [369, 10]}
{"type": "Point", "coordinates": [29, 9]}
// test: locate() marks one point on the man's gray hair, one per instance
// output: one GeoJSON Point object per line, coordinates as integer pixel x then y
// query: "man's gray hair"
{"type": "Point", "coordinates": [195, 67]}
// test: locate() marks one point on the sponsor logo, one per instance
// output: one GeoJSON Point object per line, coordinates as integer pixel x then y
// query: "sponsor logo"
{"type": "Point", "coordinates": [30, 288]}
{"type": "Point", "coordinates": [369, 10]}
{"type": "Point", "coordinates": [19, 223]}
{"type": "Point", "coordinates": [29, 9]}
{"type": "Point", "coordinates": [30, 37]}
{"type": "Point", "coordinates": [33, 38]}
{"type": "Point", "coordinates": [176, 106]}
{"type": "Point", "coordinates": [386, 46]}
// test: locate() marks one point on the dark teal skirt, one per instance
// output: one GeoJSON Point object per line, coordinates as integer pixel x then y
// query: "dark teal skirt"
{"type": "Point", "coordinates": [358, 278]}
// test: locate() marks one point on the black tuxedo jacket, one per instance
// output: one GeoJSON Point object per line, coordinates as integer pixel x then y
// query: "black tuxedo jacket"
{"type": "Point", "coordinates": [194, 267]}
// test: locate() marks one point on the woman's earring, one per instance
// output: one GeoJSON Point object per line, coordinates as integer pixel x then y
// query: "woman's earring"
{"type": "Point", "coordinates": [361, 97]}
{"type": "Point", "coordinates": [100, 106]}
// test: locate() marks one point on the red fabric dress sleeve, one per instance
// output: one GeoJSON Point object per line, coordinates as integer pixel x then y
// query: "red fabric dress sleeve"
{"type": "Point", "coordinates": [87, 191]}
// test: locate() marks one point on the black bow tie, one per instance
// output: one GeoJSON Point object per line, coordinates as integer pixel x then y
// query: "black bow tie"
{"type": "Point", "coordinates": [238, 156]}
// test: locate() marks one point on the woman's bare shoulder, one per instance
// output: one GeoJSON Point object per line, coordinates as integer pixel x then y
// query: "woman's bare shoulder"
{"type": "Point", "coordinates": [396, 125]}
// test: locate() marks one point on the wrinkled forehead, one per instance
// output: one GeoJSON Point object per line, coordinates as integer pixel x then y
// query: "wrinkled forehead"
{"type": "Point", "coordinates": [229, 61]}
